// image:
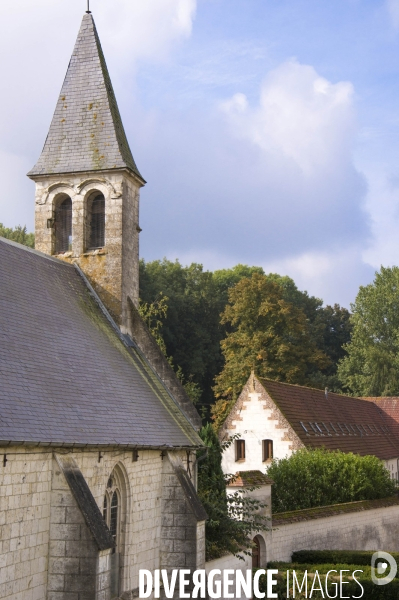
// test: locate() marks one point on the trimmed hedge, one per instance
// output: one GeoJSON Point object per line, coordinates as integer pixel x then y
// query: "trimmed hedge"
{"type": "Point", "coordinates": [351, 557]}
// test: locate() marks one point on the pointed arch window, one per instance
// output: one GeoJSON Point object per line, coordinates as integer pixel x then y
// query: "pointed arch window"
{"type": "Point", "coordinates": [114, 513]}
{"type": "Point", "coordinates": [96, 222]}
{"type": "Point", "coordinates": [63, 226]}
{"type": "Point", "coordinates": [114, 516]}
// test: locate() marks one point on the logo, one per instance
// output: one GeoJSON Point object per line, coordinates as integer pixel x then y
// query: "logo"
{"type": "Point", "coordinates": [383, 560]}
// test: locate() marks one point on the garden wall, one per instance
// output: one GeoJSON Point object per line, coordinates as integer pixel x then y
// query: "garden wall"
{"type": "Point", "coordinates": [366, 525]}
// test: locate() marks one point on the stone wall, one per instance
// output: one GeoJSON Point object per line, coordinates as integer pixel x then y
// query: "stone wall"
{"type": "Point", "coordinates": [75, 569]}
{"type": "Point", "coordinates": [25, 482]}
{"type": "Point", "coordinates": [25, 500]}
{"type": "Point", "coordinates": [353, 526]}
{"type": "Point", "coordinates": [113, 270]}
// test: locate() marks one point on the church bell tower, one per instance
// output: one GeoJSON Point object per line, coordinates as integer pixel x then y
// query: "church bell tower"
{"type": "Point", "coordinates": [87, 182]}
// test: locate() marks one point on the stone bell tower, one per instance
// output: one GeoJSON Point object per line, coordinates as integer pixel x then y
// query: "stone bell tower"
{"type": "Point", "coordinates": [87, 183]}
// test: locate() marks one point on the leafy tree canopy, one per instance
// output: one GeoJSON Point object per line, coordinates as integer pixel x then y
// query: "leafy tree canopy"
{"type": "Point", "coordinates": [268, 334]}
{"type": "Point", "coordinates": [310, 478]}
{"type": "Point", "coordinates": [371, 367]}
{"type": "Point", "coordinates": [18, 234]}
{"type": "Point", "coordinates": [192, 330]}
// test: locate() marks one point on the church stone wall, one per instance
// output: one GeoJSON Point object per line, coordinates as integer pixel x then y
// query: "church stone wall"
{"type": "Point", "coordinates": [25, 484]}
{"type": "Point", "coordinates": [113, 271]}
{"type": "Point", "coordinates": [74, 569]}
{"type": "Point", "coordinates": [35, 550]}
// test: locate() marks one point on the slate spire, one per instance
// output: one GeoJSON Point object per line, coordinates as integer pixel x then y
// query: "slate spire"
{"type": "Point", "coordinates": [86, 133]}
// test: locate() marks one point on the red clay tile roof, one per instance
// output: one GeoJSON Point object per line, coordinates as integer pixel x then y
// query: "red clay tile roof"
{"type": "Point", "coordinates": [336, 422]}
{"type": "Point", "coordinates": [390, 406]}
{"type": "Point", "coordinates": [249, 479]}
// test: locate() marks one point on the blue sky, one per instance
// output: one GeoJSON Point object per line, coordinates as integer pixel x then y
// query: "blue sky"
{"type": "Point", "coordinates": [267, 129]}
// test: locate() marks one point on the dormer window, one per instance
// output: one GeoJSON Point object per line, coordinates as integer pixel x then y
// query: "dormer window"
{"type": "Point", "coordinates": [63, 226]}
{"type": "Point", "coordinates": [96, 214]}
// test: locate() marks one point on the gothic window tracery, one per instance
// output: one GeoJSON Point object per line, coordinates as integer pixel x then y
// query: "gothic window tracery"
{"type": "Point", "coordinates": [113, 507]}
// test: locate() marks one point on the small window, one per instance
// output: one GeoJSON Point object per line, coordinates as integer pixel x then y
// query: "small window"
{"type": "Point", "coordinates": [63, 226]}
{"type": "Point", "coordinates": [113, 521]}
{"type": "Point", "coordinates": [267, 450]}
{"type": "Point", "coordinates": [97, 223]}
{"type": "Point", "coordinates": [105, 508]}
{"type": "Point", "coordinates": [240, 449]}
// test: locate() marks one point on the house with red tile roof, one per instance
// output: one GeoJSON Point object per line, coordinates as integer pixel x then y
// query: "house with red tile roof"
{"type": "Point", "coordinates": [271, 419]}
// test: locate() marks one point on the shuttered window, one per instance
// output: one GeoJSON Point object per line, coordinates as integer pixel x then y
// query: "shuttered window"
{"type": "Point", "coordinates": [97, 223]}
{"type": "Point", "coordinates": [63, 226]}
{"type": "Point", "coordinates": [240, 449]}
{"type": "Point", "coordinates": [267, 450]}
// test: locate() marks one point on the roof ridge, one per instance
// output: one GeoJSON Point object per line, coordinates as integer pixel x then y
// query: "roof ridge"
{"type": "Point", "coordinates": [306, 387]}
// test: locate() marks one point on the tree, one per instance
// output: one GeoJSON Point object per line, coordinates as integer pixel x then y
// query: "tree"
{"type": "Point", "coordinates": [153, 314]}
{"type": "Point", "coordinates": [191, 329]}
{"type": "Point", "coordinates": [371, 367]}
{"type": "Point", "coordinates": [329, 327]}
{"type": "Point", "coordinates": [310, 478]}
{"type": "Point", "coordinates": [268, 334]}
{"type": "Point", "coordinates": [232, 518]}
{"type": "Point", "coordinates": [18, 234]}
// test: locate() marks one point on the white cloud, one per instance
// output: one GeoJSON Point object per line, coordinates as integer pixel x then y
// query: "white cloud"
{"type": "Point", "coordinates": [393, 9]}
{"type": "Point", "coordinates": [145, 29]}
{"type": "Point", "coordinates": [300, 115]}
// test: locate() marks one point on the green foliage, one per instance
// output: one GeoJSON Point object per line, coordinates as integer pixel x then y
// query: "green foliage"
{"type": "Point", "coordinates": [192, 331]}
{"type": "Point", "coordinates": [233, 518]}
{"type": "Point", "coordinates": [268, 334]}
{"type": "Point", "coordinates": [310, 478]}
{"type": "Point", "coordinates": [153, 314]}
{"type": "Point", "coordinates": [372, 365]}
{"type": "Point", "coordinates": [18, 234]}
{"type": "Point", "coordinates": [356, 557]}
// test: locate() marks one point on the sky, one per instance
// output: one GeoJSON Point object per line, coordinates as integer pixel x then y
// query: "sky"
{"type": "Point", "coordinates": [267, 130]}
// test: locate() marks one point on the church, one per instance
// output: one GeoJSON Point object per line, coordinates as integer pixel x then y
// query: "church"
{"type": "Point", "coordinates": [98, 439]}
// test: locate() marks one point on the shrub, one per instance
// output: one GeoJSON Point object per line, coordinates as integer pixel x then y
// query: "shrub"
{"type": "Point", "coordinates": [311, 478]}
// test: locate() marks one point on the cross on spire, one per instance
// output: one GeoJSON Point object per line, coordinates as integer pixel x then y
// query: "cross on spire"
{"type": "Point", "coordinates": [88, 7]}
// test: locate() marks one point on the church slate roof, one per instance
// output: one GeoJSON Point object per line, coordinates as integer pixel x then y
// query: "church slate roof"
{"type": "Point", "coordinates": [86, 133]}
{"type": "Point", "coordinates": [335, 422]}
{"type": "Point", "coordinates": [66, 377]}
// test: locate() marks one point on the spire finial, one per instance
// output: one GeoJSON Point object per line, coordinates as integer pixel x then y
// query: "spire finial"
{"type": "Point", "coordinates": [88, 7]}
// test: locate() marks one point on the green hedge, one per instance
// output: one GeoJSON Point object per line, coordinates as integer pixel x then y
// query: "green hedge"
{"type": "Point", "coordinates": [313, 478]}
{"type": "Point", "coordinates": [351, 557]}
